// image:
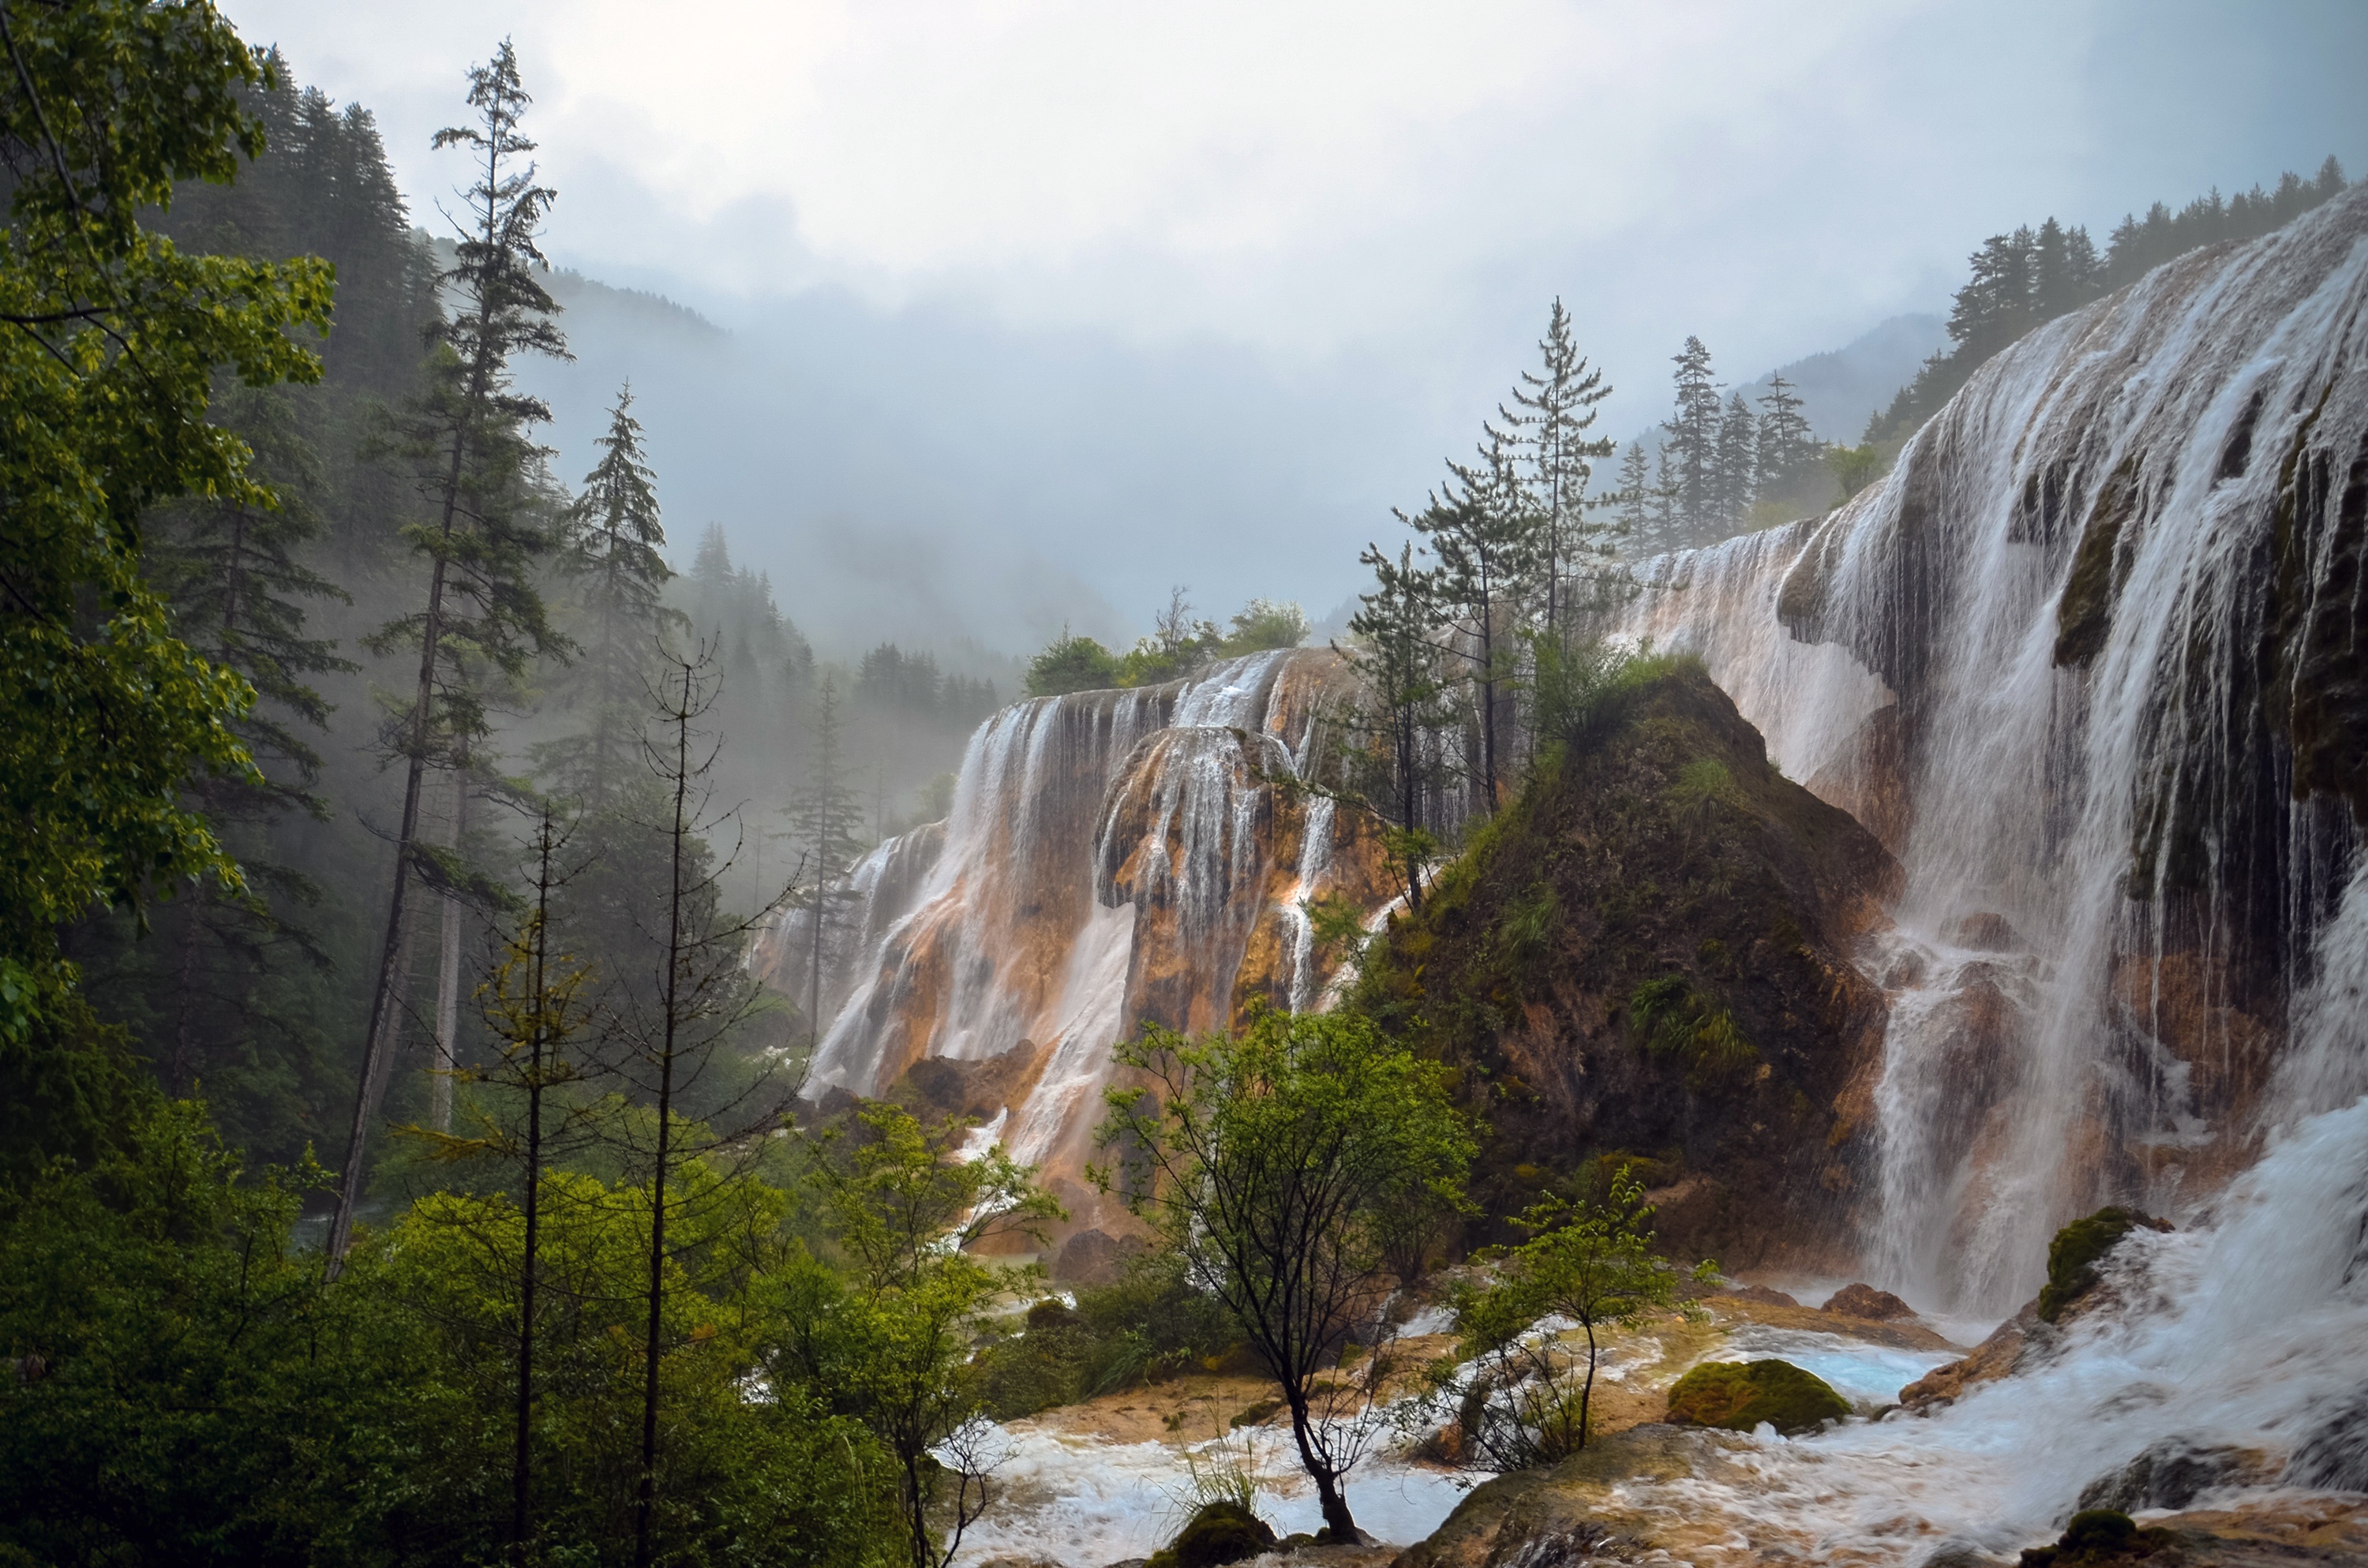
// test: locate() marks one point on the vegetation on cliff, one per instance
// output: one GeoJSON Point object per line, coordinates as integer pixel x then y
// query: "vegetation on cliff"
{"type": "Point", "coordinates": [1641, 960]}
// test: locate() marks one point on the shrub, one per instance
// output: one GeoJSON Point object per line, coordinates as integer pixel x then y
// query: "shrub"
{"type": "Point", "coordinates": [1071, 664]}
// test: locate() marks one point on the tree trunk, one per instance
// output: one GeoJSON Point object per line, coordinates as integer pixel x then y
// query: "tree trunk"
{"type": "Point", "coordinates": [1328, 1495]}
{"type": "Point", "coordinates": [447, 975]}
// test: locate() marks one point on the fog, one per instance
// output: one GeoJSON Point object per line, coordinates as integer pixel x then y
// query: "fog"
{"type": "Point", "coordinates": [1021, 315]}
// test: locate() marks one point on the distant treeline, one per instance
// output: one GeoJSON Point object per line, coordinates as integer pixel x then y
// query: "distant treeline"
{"type": "Point", "coordinates": [2029, 276]}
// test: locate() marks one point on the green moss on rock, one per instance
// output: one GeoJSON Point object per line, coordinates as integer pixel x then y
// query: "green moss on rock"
{"type": "Point", "coordinates": [2073, 1255]}
{"type": "Point", "coordinates": [1739, 1395]}
{"type": "Point", "coordinates": [1220, 1532]}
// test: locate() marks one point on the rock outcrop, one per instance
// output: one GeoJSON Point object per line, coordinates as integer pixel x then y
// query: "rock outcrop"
{"type": "Point", "coordinates": [1646, 960]}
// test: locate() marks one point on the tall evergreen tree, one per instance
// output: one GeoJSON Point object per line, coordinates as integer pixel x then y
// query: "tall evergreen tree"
{"type": "Point", "coordinates": [1396, 655]}
{"type": "Point", "coordinates": [1636, 499]}
{"type": "Point", "coordinates": [467, 435]}
{"type": "Point", "coordinates": [827, 824]}
{"type": "Point", "coordinates": [612, 555]}
{"type": "Point", "coordinates": [1689, 460]}
{"type": "Point", "coordinates": [1488, 536]}
{"type": "Point", "coordinates": [1786, 448]}
{"type": "Point", "coordinates": [233, 571]}
{"type": "Point", "coordinates": [1553, 409]}
{"type": "Point", "coordinates": [1738, 462]}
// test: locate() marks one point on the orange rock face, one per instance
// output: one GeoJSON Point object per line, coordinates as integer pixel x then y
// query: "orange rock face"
{"type": "Point", "coordinates": [1113, 857]}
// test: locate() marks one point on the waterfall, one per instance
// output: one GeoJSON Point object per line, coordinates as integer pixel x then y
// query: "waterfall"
{"type": "Point", "coordinates": [1110, 857]}
{"type": "Point", "coordinates": [2089, 660]}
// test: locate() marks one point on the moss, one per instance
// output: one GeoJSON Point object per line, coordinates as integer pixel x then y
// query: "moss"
{"type": "Point", "coordinates": [2073, 1255]}
{"type": "Point", "coordinates": [1220, 1532]}
{"type": "Point", "coordinates": [1739, 1395]}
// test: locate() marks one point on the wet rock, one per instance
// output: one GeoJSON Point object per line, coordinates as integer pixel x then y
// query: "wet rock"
{"type": "Point", "coordinates": [1765, 1296]}
{"type": "Point", "coordinates": [1093, 1258]}
{"type": "Point", "coordinates": [2077, 1249]}
{"type": "Point", "coordinates": [1993, 1358]}
{"type": "Point", "coordinates": [1550, 1512]}
{"type": "Point", "coordinates": [2334, 1458]}
{"type": "Point", "coordinates": [2095, 1535]}
{"type": "Point", "coordinates": [2174, 1473]}
{"type": "Point", "coordinates": [1220, 1533]}
{"type": "Point", "coordinates": [1739, 1395]}
{"type": "Point", "coordinates": [1959, 1554]}
{"type": "Point", "coordinates": [1866, 1301]}
{"type": "Point", "coordinates": [1987, 932]}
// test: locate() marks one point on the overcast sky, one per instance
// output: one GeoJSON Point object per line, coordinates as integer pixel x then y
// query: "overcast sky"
{"type": "Point", "coordinates": [1339, 222]}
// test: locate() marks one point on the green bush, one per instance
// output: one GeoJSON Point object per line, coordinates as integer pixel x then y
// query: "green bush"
{"type": "Point", "coordinates": [1071, 664]}
{"type": "Point", "coordinates": [1148, 1325]}
{"type": "Point", "coordinates": [1739, 1395]}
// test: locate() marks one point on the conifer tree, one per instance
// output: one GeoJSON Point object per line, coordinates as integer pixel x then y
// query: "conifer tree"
{"type": "Point", "coordinates": [233, 571]}
{"type": "Point", "coordinates": [1787, 449]}
{"type": "Point", "coordinates": [1488, 536]}
{"type": "Point", "coordinates": [1396, 655]}
{"type": "Point", "coordinates": [1689, 460]}
{"type": "Point", "coordinates": [826, 821]}
{"type": "Point", "coordinates": [1553, 409]}
{"type": "Point", "coordinates": [1738, 462]}
{"type": "Point", "coordinates": [467, 436]}
{"type": "Point", "coordinates": [612, 554]}
{"type": "Point", "coordinates": [1636, 499]}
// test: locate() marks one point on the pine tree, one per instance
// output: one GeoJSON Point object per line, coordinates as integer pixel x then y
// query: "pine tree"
{"type": "Point", "coordinates": [1636, 499]}
{"type": "Point", "coordinates": [1787, 449]}
{"type": "Point", "coordinates": [612, 553]}
{"type": "Point", "coordinates": [1488, 537]}
{"type": "Point", "coordinates": [476, 467]}
{"type": "Point", "coordinates": [1548, 423]}
{"type": "Point", "coordinates": [1738, 462]}
{"type": "Point", "coordinates": [233, 572]}
{"type": "Point", "coordinates": [1690, 459]}
{"type": "Point", "coordinates": [826, 822]}
{"type": "Point", "coordinates": [1396, 655]}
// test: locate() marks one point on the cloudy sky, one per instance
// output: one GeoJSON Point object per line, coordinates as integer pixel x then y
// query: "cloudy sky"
{"type": "Point", "coordinates": [1113, 295]}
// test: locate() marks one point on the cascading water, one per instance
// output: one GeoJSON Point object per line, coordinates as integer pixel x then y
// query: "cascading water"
{"type": "Point", "coordinates": [1110, 857]}
{"type": "Point", "coordinates": [2082, 660]}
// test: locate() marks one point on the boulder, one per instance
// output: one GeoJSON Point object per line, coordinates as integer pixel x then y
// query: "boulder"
{"type": "Point", "coordinates": [1739, 1395]}
{"type": "Point", "coordinates": [1220, 1533]}
{"type": "Point", "coordinates": [2174, 1473]}
{"type": "Point", "coordinates": [1866, 1301]}
{"type": "Point", "coordinates": [1093, 1258]}
{"type": "Point", "coordinates": [2079, 1247]}
{"type": "Point", "coordinates": [1993, 1358]}
{"type": "Point", "coordinates": [1765, 1296]}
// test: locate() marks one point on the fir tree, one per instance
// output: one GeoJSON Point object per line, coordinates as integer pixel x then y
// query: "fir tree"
{"type": "Point", "coordinates": [1636, 499]}
{"type": "Point", "coordinates": [1553, 409]}
{"type": "Point", "coordinates": [1396, 655]}
{"type": "Point", "coordinates": [1488, 538]}
{"type": "Point", "coordinates": [612, 553]}
{"type": "Point", "coordinates": [482, 615]}
{"type": "Point", "coordinates": [826, 822]}
{"type": "Point", "coordinates": [233, 571]}
{"type": "Point", "coordinates": [1738, 462]}
{"type": "Point", "coordinates": [1689, 460]}
{"type": "Point", "coordinates": [1787, 449]}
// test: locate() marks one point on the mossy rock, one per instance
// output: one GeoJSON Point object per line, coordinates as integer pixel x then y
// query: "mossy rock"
{"type": "Point", "coordinates": [2073, 1255]}
{"type": "Point", "coordinates": [1739, 1395]}
{"type": "Point", "coordinates": [2096, 1536]}
{"type": "Point", "coordinates": [1220, 1532]}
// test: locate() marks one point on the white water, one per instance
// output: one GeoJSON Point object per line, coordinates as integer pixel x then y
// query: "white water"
{"type": "Point", "coordinates": [2107, 1037]}
{"type": "Point", "coordinates": [1105, 861]}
